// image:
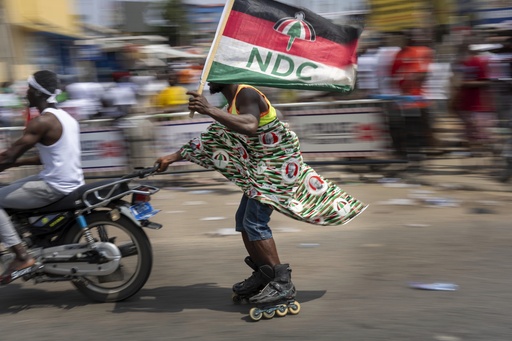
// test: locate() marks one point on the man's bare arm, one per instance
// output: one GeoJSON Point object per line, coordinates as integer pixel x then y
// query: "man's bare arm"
{"type": "Point", "coordinates": [32, 134]}
{"type": "Point", "coordinates": [244, 123]}
{"type": "Point", "coordinates": [27, 161]}
{"type": "Point", "coordinates": [165, 161]}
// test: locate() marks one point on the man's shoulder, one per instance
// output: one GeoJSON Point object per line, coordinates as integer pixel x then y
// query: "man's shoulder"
{"type": "Point", "coordinates": [41, 124]}
{"type": "Point", "coordinates": [248, 89]}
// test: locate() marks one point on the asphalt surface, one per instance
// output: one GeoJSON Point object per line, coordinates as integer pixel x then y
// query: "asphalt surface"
{"type": "Point", "coordinates": [441, 223]}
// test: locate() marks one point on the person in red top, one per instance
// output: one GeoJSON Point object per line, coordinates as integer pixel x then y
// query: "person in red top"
{"type": "Point", "coordinates": [473, 97]}
{"type": "Point", "coordinates": [410, 69]}
{"type": "Point", "coordinates": [409, 72]}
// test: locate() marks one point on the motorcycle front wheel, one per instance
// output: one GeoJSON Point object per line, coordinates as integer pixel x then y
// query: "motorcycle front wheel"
{"type": "Point", "coordinates": [135, 264]}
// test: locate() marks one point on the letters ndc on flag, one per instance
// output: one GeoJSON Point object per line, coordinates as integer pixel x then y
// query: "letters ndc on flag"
{"type": "Point", "coordinates": [268, 43]}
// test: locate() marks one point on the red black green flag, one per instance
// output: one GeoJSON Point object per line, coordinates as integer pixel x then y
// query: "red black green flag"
{"type": "Point", "coordinates": [268, 43]}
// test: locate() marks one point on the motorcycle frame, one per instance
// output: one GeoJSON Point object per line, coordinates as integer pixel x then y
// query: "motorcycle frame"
{"type": "Point", "coordinates": [104, 200]}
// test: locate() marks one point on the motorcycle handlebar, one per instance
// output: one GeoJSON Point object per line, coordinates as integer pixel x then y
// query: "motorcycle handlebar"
{"type": "Point", "coordinates": [142, 172]}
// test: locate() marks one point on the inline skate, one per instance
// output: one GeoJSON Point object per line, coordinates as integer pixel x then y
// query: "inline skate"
{"type": "Point", "coordinates": [249, 287]}
{"type": "Point", "coordinates": [277, 297]}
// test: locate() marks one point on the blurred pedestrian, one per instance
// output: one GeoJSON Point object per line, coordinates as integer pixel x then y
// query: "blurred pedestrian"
{"type": "Point", "coordinates": [500, 72]}
{"type": "Point", "coordinates": [384, 59]}
{"type": "Point", "coordinates": [83, 100]}
{"type": "Point", "coordinates": [10, 105]}
{"type": "Point", "coordinates": [174, 97]}
{"type": "Point", "coordinates": [409, 72]}
{"type": "Point", "coordinates": [122, 95]}
{"type": "Point", "coordinates": [472, 97]}
{"type": "Point", "coordinates": [367, 68]}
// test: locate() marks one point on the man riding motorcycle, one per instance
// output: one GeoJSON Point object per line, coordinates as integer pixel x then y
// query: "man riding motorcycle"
{"type": "Point", "coordinates": [56, 136]}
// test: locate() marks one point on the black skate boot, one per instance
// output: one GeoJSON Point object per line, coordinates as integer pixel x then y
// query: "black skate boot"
{"type": "Point", "coordinates": [278, 296]}
{"type": "Point", "coordinates": [249, 287]}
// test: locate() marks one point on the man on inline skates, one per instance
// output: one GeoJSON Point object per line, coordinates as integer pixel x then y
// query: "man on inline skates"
{"type": "Point", "coordinates": [251, 110]}
{"type": "Point", "coordinates": [250, 146]}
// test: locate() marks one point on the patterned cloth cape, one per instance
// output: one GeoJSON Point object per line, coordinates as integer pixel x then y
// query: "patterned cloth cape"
{"type": "Point", "coordinates": [269, 167]}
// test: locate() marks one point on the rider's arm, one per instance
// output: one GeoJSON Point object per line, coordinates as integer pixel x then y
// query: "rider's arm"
{"type": "Point", "coordinates": [33, 133]}
{"type": "Point", "coordinates": [27, 161]}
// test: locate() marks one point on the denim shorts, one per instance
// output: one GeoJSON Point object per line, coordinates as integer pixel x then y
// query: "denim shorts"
{"type": "Point", "coordinates": [252, 217]}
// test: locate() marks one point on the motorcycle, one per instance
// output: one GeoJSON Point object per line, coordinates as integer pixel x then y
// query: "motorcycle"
{"type": "Point", "coordinates": [93, 237]}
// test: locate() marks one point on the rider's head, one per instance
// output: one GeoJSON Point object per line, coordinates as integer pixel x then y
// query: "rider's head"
{"type": "Point", "coordinates": [43, 87]}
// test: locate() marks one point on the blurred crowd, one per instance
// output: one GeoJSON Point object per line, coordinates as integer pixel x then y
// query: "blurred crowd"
{"type": "Point", "coordinates": [152, 91]}
{"type": "Point", "coordinates": [129, 92]}
{"type": "Point", "coordinates": [466, 75]}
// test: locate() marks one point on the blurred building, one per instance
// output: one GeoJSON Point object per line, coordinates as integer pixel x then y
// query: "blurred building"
{"type": "Point", "coordinates": [204, 19]}
{"type": "Point", "coordinates": [485, 12]}
{"type": "Point", "coordinates": [37, 34]}
{"type": "Point", "coordinates": [63, 35]}
{"type": "Point", "coordinates": [145, 16]}
{"type": "Point", "coordinates": [399, 15]}
{"type": "Point", "coordinates": [331, 8]}
{"type": "Point", "coordinates": [98, 13]}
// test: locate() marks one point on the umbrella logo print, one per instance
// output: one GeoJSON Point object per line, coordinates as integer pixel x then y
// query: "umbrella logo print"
{"type": "Point", "coordinates": [295, 28]}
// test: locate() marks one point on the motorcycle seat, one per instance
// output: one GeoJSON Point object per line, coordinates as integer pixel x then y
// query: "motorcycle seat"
{"type": "Point", "coordinates": [75, 200]}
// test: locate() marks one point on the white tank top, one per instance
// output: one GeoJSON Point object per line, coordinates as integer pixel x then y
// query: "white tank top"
{"type": "Point", "coordinates": [62, 161]}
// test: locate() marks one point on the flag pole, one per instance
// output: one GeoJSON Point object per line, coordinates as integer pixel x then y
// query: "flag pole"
{"type": "Point", "coordinates": [214, 47]}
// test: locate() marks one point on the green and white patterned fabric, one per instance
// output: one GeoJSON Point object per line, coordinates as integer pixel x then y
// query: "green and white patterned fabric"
{"type": "Point", "coordinates": [269, 167]}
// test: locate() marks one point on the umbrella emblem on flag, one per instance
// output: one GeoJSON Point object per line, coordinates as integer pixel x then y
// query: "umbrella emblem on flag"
{"type": "Point", "coordinates": [342, 207]}
{"type": "Point", "coordinates": [295, 28]}
{"type": "Point", "coordinates": [220, 159]}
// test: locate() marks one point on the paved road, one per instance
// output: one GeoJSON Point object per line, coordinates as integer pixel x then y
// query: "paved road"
{"type": "Point", "coordinates": [352, 280]}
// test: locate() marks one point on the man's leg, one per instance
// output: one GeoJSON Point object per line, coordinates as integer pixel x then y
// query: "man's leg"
{"type": "Point", "coordinates": [252, 219]}
{"type": "Point", "coordinates": [257, 235]}
{"type": "Point", "coordinates": [254, 283]}
{"type": "Point", "coordinates": [275, 276]}
{"type": "Point", "coordinates": [29, 192]}
{"type": "Point", "coordinates": [239, 225]}
{"type": "Point", "coordinates": [11, 240]}
{"type": "Point", "coordinates": [262, 251]}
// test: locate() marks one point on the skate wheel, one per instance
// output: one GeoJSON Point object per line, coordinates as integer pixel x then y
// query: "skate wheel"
{"type": "Point", "coordinates": [236, 299]}
{"type": "Point", "coordinates": [255, 314]}
{"type": "Point", "coordinates": [269, 315]}
{"type": "Point", "coordinates": [294, 308]}
{"type": "Point", "coordinates": [282, 310]}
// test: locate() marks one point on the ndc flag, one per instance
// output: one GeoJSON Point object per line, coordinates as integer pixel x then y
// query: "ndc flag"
{"type": "Point", "coordinates": [268, 43]}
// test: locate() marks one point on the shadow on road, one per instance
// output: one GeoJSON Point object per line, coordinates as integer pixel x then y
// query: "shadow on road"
{"type": "Point", "coordinates": [16, 299]}
{"type": "Point", "coordinates": [197, 296]}
{"type": "Point", "coordinates": [169, 299]}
